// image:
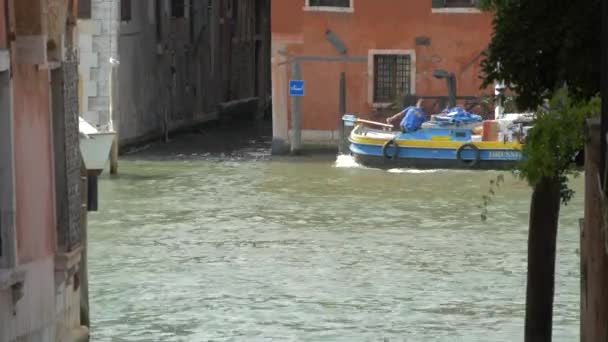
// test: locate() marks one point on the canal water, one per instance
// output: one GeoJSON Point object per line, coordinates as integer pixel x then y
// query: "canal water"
{"type": "Point", "coordinates": [240, 247]}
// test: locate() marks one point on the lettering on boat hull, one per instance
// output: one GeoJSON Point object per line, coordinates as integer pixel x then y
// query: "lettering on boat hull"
{"type": "Point", "coordinates": [505, 155]}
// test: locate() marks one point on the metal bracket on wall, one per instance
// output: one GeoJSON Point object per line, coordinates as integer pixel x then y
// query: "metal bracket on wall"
{"type": "Point", "coordinates": [336, 42]}
{"type": "Point", "coordinates": [292, 58]}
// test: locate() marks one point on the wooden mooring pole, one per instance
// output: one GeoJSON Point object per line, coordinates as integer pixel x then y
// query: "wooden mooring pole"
{"type": "Point", "coordinates": [344, 131]}
{"type": "Point", "coordinates": [85, 319]}
{"type": "Point", "coordinates": [296, 115]}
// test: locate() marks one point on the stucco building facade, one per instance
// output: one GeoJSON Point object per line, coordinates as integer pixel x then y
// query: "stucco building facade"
{"type": "Point", "coordinates": [387, 49]}
{"type": "Point", "coordinates": [40, 203]}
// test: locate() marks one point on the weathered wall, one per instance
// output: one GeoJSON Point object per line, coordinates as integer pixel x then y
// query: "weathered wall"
{"type": "Point", "coordinates": [456, 43]}
{"type": "Point", "coordinates": [39, 295]}
{"type": "Point", "coordinates": [143, 76]}
{"type": "Point", "coordinates": [33, 163]}
{"type": "Point", "coordinates": [97, 42]}
{"type": "Point", "coordinates": [211, 55]}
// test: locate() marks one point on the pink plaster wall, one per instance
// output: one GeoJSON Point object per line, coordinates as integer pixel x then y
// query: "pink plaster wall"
{"type": "Point", "coordinates": [33, 163]}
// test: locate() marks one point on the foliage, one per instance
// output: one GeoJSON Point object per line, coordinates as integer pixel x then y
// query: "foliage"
{"type": "Point", "coordinates": [539, 46]}
{"type": "Point", "coordinates": [552, 144]}
{"type": "Point", "coordinates": [556, 138]}
{"type": "Point", "coordinates": [487, 104]}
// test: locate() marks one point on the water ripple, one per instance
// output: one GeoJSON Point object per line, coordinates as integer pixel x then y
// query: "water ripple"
{"type": "Point", "coordinates": [236, 250]}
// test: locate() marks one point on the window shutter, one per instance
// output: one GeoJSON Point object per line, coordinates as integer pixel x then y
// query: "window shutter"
{"type": "Point", "coordinates": [84, 9]}
{"type": "Point", "coordinates": [125, 10]}
{"type": "Point", "coordinates": [438, 3]}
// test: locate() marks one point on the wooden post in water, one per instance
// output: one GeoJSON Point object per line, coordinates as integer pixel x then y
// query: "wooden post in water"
{"type": "Point", "coordinates": [296, 115]}
{"type": "Point", "coordinates": [114, 116]}
{"type": "Point", "coordinates": [342, 145]}
{"type": "Point", "coordinates": [85, 319]}
{"type": "Point", "coordinates": [542, 235]}
{"type": "Point", "coordinates": [114, 156]}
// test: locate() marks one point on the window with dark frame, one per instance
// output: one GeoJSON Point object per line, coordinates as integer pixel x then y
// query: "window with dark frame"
{"type": "Point", "coordinates": [460, 3]}
{"type": "Point", "coordinates": [329, 3]}
{"type": "Point", "coordinates": [125, 10]}
{"type": "Point", "coordinates": [192, 23]}
{"type": "Point", "coordinates": [84, 9]}
{"type": "Point", "coordinates": [159, 20]}
{"type": "Point", "coordinates": [178, 8]}
{"type": "Point", "coordinates": [392, 76]}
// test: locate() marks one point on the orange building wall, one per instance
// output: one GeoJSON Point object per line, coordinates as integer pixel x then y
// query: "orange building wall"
{"type": "Point", "coordinates": [33, 163]}
{"type": "Point", "coordinates": [457, 41]}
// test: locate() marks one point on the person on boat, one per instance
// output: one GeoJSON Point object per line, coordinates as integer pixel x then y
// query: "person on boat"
{"type": "Point", "coordinates": [411, 118]}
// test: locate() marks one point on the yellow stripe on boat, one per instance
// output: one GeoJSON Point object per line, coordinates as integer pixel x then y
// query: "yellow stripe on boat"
{"type": "Point", "coordinates": [441, 137]}
{"type": "Point", "coordinates": [437, 143]}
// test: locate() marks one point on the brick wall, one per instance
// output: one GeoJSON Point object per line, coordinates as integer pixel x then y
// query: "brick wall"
{"type": "Point", "coordinates": [451, 39]}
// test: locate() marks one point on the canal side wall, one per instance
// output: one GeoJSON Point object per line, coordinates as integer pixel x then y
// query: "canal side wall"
{"type": "Point", "coordinates": [365, 41]}
{"type": "Point", "coordinates": [182, 63]}
{"type": "Point", "coordinates": [39, 285]}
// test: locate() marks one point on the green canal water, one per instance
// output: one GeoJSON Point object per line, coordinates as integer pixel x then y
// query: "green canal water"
{"type": "Point", "coordinates": [208, 248]}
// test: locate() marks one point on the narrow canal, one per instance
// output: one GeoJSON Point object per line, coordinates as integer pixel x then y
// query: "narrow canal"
{"type": "Point", "coordinates": [238, 247]}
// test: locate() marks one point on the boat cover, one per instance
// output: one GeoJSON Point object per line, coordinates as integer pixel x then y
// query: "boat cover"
{"type": "Point", "coordinates": [458, 116]}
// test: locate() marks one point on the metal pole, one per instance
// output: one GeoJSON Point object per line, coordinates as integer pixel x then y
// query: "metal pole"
{"type": "Point", "coordinates": [452, 91]}
{"type": "Point", "coordinates": [296, 115]}
{"type": "Point", "coordinates": [342, 109]}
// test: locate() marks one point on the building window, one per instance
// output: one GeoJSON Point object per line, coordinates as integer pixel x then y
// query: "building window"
{"type": "Point", "coordinates": [84, 9]}
{"type": "Point", "coordinates": [329, 5]}
{"type": "Point", "coordinates": [459, 3]}
{"type": "Point", "coordinates": [125, 10]}
{"type": "Point", "coordinates": [159, 20]}
{"type": "Point", "coordinates": [392, 77]}
{"type": "Point", "coordinates": [455, 6]}
{"type": "Point", "coordinates": [178, 8]}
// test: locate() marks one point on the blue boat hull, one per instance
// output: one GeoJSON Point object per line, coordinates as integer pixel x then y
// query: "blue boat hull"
{"type": "Point", "coordinates": [434, 158]}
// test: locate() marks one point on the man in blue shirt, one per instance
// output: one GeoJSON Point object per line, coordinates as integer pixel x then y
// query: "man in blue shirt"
{"type": "Point", "coordinates": [411, 118]}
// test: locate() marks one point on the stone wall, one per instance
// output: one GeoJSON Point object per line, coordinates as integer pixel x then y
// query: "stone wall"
{"type": "Point", "coordinates": [174, 70]}
{"type": "Point", "coordinates": [97, 43]}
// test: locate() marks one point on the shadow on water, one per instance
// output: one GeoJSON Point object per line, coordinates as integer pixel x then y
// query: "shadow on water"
{"type": "Point", "coordinates": [234, 140]}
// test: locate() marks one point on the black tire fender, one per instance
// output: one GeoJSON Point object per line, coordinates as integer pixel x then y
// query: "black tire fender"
{"type": "Point", "coordinates": [472, 163]}
{"type": "Point", "coordinates": [387, 145]}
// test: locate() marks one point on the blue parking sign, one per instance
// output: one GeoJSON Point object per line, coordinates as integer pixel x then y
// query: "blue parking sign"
{"type": "Point", "coordinates": [296, 88]}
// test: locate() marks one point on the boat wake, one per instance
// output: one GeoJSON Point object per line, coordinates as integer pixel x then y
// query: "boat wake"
{"type": "Point", "coordinates": [345, 161]}
{"type": "Point", "coordinates": [412, 171]}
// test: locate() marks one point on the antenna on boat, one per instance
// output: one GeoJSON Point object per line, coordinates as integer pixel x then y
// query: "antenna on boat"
{"type": "Point", "coordinates": [499, 92]}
